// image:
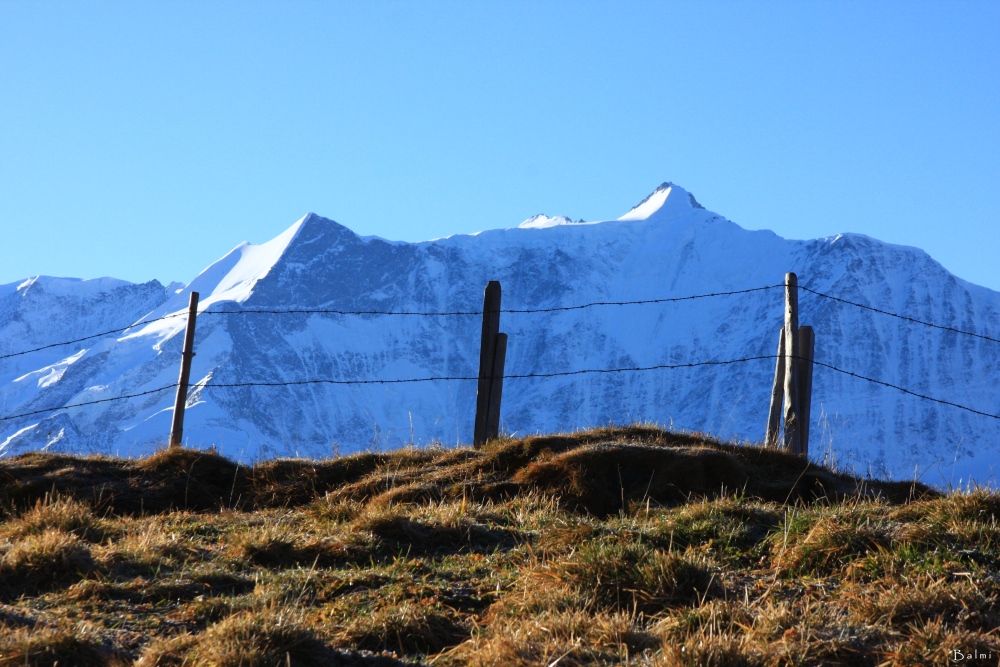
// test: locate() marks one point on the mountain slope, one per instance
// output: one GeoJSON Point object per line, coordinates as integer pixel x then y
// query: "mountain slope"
{"type": "Point", "coordinates": [667, 246]}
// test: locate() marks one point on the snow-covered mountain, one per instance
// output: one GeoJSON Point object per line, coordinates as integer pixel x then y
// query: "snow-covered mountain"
{"type": "Point", "coordinates": [666, 246]}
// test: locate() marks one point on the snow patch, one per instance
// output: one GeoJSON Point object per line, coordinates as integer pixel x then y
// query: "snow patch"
{"type": "Point", "coordinates": [75, 287]}
{"type": "Point", "coordinates": [541, 221]}
{"type": "Point", "coordinates": [194, 395]}
{"type": "Point", "coordinates": [54, 439]}
{"type": "Point", "coordinates": [232, 278]}
{"type": "Point", "coordinates": [15, 435]}
{"type": "Point", "coordinates": [666, 202]}
{"type": "Point", "coordinates": [49, 375]}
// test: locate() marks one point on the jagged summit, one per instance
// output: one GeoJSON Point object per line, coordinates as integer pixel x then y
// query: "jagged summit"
{"type": "Point", "coordinates": [667, 200]}
{"type": "Point", "coordinates": [234, 276]}
{"type": "Point", "coordinates": [542, 221]}
{"type": "Point", "coordinates": [62, 286]}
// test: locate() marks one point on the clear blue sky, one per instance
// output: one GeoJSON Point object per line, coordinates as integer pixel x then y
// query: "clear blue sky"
{"type": "Point", "coordinates": [145, 139]}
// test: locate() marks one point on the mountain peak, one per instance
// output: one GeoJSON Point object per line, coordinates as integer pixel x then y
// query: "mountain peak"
{"type": "Point", "coordinates": [542, 221]}
{"type": "Point", "coordinates": [665, 201]}
{"type": "Point", "coordinates": [232, 277]}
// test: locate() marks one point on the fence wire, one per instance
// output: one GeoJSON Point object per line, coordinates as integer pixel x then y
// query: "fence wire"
{"type": "Point", "coordinates": [514, 376]}
{"type": "Point", "coordinates": [80, 405]}
{"type": "Point", "coordinates": [326, 311]}
{"type": "Point", "coordinates": [632, 369]}
{"type": "Point", "coordinates": [92, 336]}
{"type": "Point", "coordinates": [642, 302]}
{"type": "Point", "coordinates": [902, 317]}
{"type": "Point", "coordinates": [904, 390]}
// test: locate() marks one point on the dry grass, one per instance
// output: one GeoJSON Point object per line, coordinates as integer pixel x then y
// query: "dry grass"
{"type": "Point", "coordinates": [268, 638]}
{"type": "Point", "coordinates": [59, 513]}
{"type": "Point", "coordinates": [56, 645]}
{"type": "Point", "coordinates": [629, 576]}
{"type": "Point", "coordinates": [39, 563]}
{"type": "Point", "coordinates": [629, 546]}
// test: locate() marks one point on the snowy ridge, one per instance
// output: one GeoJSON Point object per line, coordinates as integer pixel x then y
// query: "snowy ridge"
{"type": "Point", "coordinates": [667, 246]}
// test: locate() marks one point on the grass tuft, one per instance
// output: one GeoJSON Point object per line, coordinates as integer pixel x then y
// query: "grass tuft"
{"type": "Point", "coordinates": [630, 546]}
{"type": "Point", "coordinates": [624, 576]}
{"type": "Point", "coordinates": [829, 542]}
{"type": "Point", "coordinates": [38, 563]}
{"type": "Point", "coordinates": [46, 647]}
{"type": "Point", "coordinates": [59, 513]}
{"type": "Point", "coordinates": [405, 627]}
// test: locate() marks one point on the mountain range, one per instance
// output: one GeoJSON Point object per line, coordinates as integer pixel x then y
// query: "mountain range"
{"type": "Point", "coordinates": [668, 246]}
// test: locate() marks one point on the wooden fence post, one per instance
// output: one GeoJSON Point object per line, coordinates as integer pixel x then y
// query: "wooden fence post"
{"type": "Point", "coordinates": [487, 358]}
{"type": "Point", "coordinates": [187, 353]}
{"type": "Point", "coordinates": [807, 349]}
{"type": "Point", "coordinates": [793, 441]}
{"type": "Point", "coordinates": [496, 387]}
{"type": "Point", "coordinates": [777, 394]}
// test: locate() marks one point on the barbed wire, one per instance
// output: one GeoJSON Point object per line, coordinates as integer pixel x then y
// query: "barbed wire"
{"type": "Point", "coordinates": [514, 376]}
{"type": "Point", "coordinates": [904, 390]}
{"type": "Point", "coordinates": [328, 311]}
{"type": "Point", "coordinates": [389, 381]}
{"type": "Point", "coordinates": [92, 336]}
{"type": "Point", "coordinates": [902, 317]}
{"type": "Point", "coordinates": [506, 377]}
{"type": "Point", "coordinates": [643, 302]}
{"type": "Point", "coordinates": [611, 370]}
{"type": "Point", "coordinates": [642, 368]}
{"type": "Point", "coordinates": [80, 405]}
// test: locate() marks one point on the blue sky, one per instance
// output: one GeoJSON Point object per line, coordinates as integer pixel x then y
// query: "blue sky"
{"type": "Point", "coordinates": [145, 140]}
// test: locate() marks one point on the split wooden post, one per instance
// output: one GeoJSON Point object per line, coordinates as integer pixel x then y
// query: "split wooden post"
{"type": "Point", "coordinates": [807, 349]}
{"type": "Point", "coordinates": [496, 387]}
{"type": "Point", "coordinates": [793, 439]}
{"type": "Point", "coordinates": [777, 394]}
{"type": "Point", "coordinates": [487, 360]}
{"type": "Point", "coordinates": [187, 353]}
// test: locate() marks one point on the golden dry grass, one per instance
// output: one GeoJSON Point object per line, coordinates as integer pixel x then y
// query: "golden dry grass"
{"type": "Point", "coordinates": [628, 546]}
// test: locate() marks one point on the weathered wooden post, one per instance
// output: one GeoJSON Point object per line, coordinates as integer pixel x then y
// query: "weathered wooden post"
{"type": "Point", "coordinates": [187, 353]}
{"type": "Point", "coordinates": [777, 394]}
{"type": "Point", "coordinates": [807, 349]}
{"type": "Point", "coordinates": [496, 387]}
{"type": "Point", "coordinates": [487, 359]}
{"type": "Point", "coordinates": [793, 440]}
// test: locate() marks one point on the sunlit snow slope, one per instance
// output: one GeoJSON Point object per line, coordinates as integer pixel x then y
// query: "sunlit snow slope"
{"type": "Point", "coordinates": [667, 246]}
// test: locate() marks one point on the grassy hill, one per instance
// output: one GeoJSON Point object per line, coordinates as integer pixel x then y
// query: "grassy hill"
{"type": "Point", "coordinates": [629, 546]}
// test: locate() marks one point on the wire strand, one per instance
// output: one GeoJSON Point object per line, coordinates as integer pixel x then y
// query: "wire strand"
{"type": "Point", "coordinates": [506, 377]}
{"type": "Point", "coordinates": [905, 391]}
{"type": "Point", "coordinates": [97, 335]}
{"type": "Point", "coordinates": [902, 317]}
{"type": "Point", "coordinates": [513, 311]}
{"type": "Point", "coordinates": [326, 311]}
{"type": "Point", "coordinates": [394, 381]}
{"type": "Point", "coordinates": [79, 405]}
